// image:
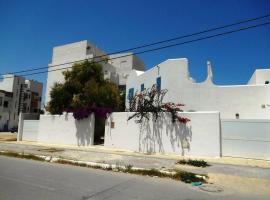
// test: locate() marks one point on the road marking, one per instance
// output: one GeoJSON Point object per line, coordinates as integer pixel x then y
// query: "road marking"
{"type": "Point", "coordinates": [28, 183]}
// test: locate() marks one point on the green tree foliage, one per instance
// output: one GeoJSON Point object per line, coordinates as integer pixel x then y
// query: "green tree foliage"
{"type": "Point", "coordinates": [84, 87]}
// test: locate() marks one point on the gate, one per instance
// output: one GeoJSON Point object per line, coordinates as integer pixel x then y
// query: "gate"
{"type": "Point", "coordinates": [246, 138]}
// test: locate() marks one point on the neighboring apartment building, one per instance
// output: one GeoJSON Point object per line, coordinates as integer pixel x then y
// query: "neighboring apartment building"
{"type": "Point", "coordinates": [116, 69]}
{"type": "Point", "coordinates": [5, 110]}
{"type": "Point", "coordinates": [251, 101]}
{"type": "Point", "coordinates": [18, 95]}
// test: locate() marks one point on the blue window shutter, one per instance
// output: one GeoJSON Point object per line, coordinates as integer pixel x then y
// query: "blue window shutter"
{"type": "Point", "coordinates": [158, 83]}
{"type": "Point", "coordinates": [130, 93]}
{"type": "Point", "coordinates": [142, 87]}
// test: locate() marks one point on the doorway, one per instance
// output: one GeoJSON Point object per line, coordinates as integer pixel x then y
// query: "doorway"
{"type": "Point", "coordinates": [99, 130]}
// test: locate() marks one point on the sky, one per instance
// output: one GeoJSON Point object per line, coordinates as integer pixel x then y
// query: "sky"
{"type": "Point", "coordinates": [30, 29]}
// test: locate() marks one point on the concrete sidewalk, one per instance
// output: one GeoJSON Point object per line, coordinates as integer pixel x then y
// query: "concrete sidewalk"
{"type": "Point", "coordinates": [101, 149]}
{"type": "Point", "coordinates": [99, 154]}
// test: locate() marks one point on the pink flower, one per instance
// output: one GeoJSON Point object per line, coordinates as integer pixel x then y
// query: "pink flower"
{"type": "Point", "coordinates": [140, 95]}
{"type": "Point", "coordinates": [179, 104]}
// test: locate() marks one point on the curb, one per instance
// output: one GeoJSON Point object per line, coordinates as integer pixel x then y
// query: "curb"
{"type": "Point", "coordinates": [222, 160]}
{"type": "Point", "coordinates": [110, 167]}
{"type": "Point", "coordinates": [53, 159]}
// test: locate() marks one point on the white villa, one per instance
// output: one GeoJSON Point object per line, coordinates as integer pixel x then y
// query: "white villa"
{"type": "Point", "coordinates": [251, 101]}
{"type": "Point", "coordinates": [232, 120]}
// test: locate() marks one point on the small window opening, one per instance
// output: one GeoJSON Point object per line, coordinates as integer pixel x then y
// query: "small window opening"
{"type": "Point", "coordinates": [142, 87]}
{"type": "Point", "coordinates": [5, 104]}
{"type": "Point", "coordinates": [158, 82]}
{"type": "Point", "coordinates": [130, 93]}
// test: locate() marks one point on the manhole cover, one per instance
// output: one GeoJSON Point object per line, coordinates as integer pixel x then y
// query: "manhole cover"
{"type": "Point", "coordinates": [211, 188]}
{"type": "Point", "coordinates": [51, 150]}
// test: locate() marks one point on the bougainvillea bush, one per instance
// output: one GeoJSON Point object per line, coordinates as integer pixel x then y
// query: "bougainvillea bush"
{"type": "Point", "coordinates": [150, 102]}
{"type": "Point", "coordinates": [82, 113]}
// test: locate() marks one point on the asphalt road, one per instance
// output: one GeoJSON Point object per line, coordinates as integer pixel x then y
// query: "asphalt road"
{"type": "Point", "coordinates": [32, 180]}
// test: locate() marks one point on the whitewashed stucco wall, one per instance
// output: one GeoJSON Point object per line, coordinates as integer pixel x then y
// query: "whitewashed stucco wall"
{"type": "Point", "coordinates": [259, 77]}
{"type": "Point", "coordinates": [64, 54]}
{"type": "Point", "coordinates": [249, 101]}
{"type": "Point", "coordinates": [199, 137]}
{"type": "Point", "coordinates": [64, 129]}
{"type": "Point", "coordinates": [30, 131]}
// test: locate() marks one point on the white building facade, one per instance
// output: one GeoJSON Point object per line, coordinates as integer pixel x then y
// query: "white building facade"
{"type": "Point", "coordinates": [124, 63]}
{"type": "Point", "coordinates": [18, 95]}
{"type": "Point", "coordinates": [116, 70]}
{"type": "Point", "coordinates": [251, 101]}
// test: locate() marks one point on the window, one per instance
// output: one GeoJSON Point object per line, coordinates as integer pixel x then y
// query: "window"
{"type": "Point", "coordinates": [142, 87]}
{"type": "Point", "coordinates": [266, 82]}
{"type": "Point", "coordinates": [158, 83]}
{"type": "Point", "coordinates": [8, 94]}
{"type": "Point", "coordinates": [5, 104]}
{"type": "Point", "coordinates": [88, 50]}
{"type": "Point", "coordinates": [130, 93]}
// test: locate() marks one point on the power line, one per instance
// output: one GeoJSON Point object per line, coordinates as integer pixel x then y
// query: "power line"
{"type": "Point", "coordinates": [196, 33]}
{"type": "Point", "coordinates": [151, 44]}
{"type": "Point", "coordinates": [204, 38]}
{"type": "Point", "coordinates": [159, 48]}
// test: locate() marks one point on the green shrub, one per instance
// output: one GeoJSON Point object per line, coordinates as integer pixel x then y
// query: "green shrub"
{"type": "Point", "coordinates": [196, 163]}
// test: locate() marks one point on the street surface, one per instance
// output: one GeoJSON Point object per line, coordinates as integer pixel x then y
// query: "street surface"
{"type": "Point", "coordinates": [31, 180]}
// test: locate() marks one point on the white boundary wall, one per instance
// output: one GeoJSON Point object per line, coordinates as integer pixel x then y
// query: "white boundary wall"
{"type": "Point", "coordinates": [30, 130]}
{"type": "Point", "coordinates": [199, 137]}
{"type": "Point", "coordinates": [58, 129]}
{"type": "Point", "coordinates": [65, 129]}
{"type": "Point", "coordinates": [28, 126]}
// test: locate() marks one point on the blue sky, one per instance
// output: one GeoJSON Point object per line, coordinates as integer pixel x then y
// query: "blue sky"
{"type": "Point", "coordinates": [30, 29]}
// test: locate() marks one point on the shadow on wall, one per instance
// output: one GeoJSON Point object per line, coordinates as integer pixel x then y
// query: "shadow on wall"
{"type": "Point", "coordinates": [156, 135]}
{"type": "Point", "coordinates": [84, 132]}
